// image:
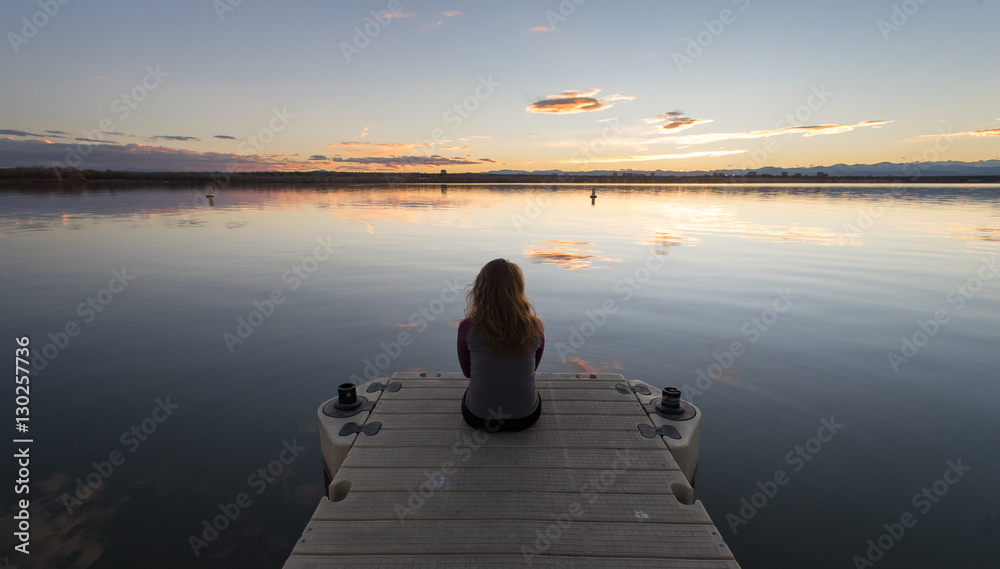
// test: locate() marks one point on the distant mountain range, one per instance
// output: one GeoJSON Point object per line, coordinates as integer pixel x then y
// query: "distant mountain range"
{"type": "Point", "coordinates": [908, 170]}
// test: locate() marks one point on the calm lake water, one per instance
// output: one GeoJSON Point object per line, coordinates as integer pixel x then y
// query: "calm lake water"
{"type": "Point", "coordinates": [819, 284]}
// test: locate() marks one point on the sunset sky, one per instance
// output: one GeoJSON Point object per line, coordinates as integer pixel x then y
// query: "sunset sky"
{"type": "Point", "coordinates": [476, 86]}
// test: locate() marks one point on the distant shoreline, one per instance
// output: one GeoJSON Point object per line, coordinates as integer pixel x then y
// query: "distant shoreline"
{"type": "Point", "coordinates": [222, 179]}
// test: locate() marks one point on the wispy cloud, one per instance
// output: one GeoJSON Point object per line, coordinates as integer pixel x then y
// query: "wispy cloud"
{"type": "Point", "coordinates": [676, 121]}
{"type": "Point", "coordinates": [225, 136]}
{"type": "Point", "coordinates": [397, 155]}
{"type": "Point", "coordinates": [402, 162]}
{"type": "Point", "coordinates": [12, 132]}
{"type": "Point", "coordinates": [177, 138]}
{"type": "Point", "coordinates": [541, 29]}
{"type": "Point", "coordinates": [981, 133]}
{"type": "Point", "coordinates": [815, 130]}
{"type": "Point", "coordinates": [364, 131]}
{"type": "Point", "coordinates": [139, 157]}
{"type": "Point", "coordinates": [619, 96]}
{"type": "Point", "coordinates": [647, 158]}
{"type": "Point", "coordinates": [437, 24]}
{"type": "Point", "coordinates": [354, 147]}
{"type": "Point", "coordinates": [34, 152]}
{"type": "Point", "coordinates": [569, 102]}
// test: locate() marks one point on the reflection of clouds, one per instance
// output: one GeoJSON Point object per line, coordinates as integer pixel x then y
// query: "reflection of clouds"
{"type": "Point", "coordinates": [566, 254]}
{"type": "Point", "coordinates": [797, 234]}
{"type": "Point", "coordinates": [686, 219]}
{"type": "Point", "coordinates": [979, 236]}
{"type": "Point", "coordinates": [77, 540]}
{"type": "Point", "coordinates": [577, 365]}
{"type": "Point", "coordinates": [662, 241]}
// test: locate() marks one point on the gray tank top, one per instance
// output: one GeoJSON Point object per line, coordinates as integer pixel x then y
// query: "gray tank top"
{"type": "Point", "coordinates": [502, 383]}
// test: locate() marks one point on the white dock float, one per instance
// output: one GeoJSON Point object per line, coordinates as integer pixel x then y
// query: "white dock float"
{"type": "Point", "coordinates": [581, 488]}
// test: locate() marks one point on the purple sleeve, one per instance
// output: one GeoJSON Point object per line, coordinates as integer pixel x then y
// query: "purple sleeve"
{"type": "Point", "coordinates": [538, 352]}
{"type": "Point", "coordinates": [464, 358]}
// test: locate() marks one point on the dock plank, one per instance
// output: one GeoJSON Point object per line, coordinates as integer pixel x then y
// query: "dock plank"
{"type": "Point", "coordinates": [595, 539]}
{"type": "Point", "coordinates": [546, 393]}
{"type": "Point", "coordinates": [509, 505]}
{"type": "Point", "coordinates": [523, 457]}
{"type": "Point", "coordinates": [501, 561]}
{"type": "Point", "coordinates": [631, 408]}
{"type": "Point", "coordinates": [454, 420]}
{"type": "Point", "coordinates": [552, 438]}
{"type": "Point", "coordinates": [501, 479]}
{"type": "Point", "coordinates": [539, 383]}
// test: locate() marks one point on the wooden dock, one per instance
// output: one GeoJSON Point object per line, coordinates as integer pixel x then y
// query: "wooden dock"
{"type": "Point", "coordinates": [581, 488]}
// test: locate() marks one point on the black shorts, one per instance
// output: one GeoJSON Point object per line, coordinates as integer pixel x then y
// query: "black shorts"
{"type": "Point", "coordinates": [518, 424]}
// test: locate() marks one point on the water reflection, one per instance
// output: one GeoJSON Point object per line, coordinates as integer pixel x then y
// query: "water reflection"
{"type": "Point", "coordinates": [569, 255]}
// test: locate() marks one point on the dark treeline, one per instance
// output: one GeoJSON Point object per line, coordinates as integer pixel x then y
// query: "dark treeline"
{"type": "Point", "coordinates": [222, 179]}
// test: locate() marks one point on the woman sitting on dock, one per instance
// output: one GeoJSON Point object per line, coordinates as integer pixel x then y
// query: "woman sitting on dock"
{"type": "Point", "coordinates": [500, 344]}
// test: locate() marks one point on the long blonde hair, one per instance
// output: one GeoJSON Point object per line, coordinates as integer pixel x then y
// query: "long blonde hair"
{"type": "Point", "coordinates": [500, 312]}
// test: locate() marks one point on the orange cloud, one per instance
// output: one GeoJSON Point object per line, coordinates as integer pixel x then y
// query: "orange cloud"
{"type": "Point", "coordinates": [981, 133]}
{"type": "Point", "coordinates": [676, 120]}
{"type": "Point", "coordinates": [814, 130]}
{"type": "Point", "coordinates": [541, 29]}
{"type": "Point", "coordinates": [374, 148]}
{"type": "Point", "coordinates": [642, 158]}
{"type": "Point", "coordinates": [569, 102]}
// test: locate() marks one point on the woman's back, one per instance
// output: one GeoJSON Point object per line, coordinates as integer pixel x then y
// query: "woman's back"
{"type": "Point", "coordinates": [503, 383]}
